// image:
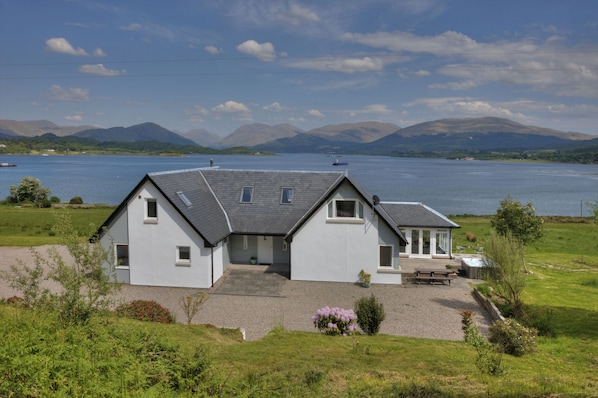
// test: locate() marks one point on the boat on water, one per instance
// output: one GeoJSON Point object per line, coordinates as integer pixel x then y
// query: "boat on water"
{"type": "Point", "coordinates": [339, 163]}
{"type": "Point", "coordinates": [4, 164]}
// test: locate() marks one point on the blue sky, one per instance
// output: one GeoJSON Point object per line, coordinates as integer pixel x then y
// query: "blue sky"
{"type": "Point", "coordinates": [217, 65]}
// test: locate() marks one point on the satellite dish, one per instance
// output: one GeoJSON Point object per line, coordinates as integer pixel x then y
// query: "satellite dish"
{"type": "Point", "coordinates": [376, 200]}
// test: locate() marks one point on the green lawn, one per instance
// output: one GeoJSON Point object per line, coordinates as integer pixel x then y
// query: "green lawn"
{"type": "Point", "coordinates": [563, 285]}
{"type": "Point", "coordinates": [32, 226]}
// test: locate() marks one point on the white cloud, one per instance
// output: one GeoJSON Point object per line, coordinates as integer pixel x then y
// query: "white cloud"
{"type": "Point", "coordinates": [275, 107]}
{"type": "Point", "coordinates": [462, 85]}
{"type": "Point", "coordinates": [101, 70]}
{"type": "Point", "coordinates": [61, 45]}
{"type": "Point", "coordinates": [231, 107]}
{"type": "Point", "coordinates": [315, 113]}
{"type": "Point", "coordinates": [336, 64]}
{"type": "Point", "coordinates": [544, 65]}
{"type": "Point", "coordinates": [377, 108]}
{"type": "Point", "coordinates": [213, 50]}
{"type": "Point", "coordinates": [58, 93]}
{"type": "Point", "coordinates": [456, 106]}
{"type": "Point", "coordinates": [98, 52]}
{"type": "Point", "coordinates": [297, 14]}
{"type": "Point", "coordinates": [264, 51]}
{"type": "Point", "coordinates": [74, 118]}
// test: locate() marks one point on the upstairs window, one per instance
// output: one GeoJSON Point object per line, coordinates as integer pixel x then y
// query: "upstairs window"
{"type": "Point", "coordinates": [345, 209]}
{"type": "Point", "coordinates": [246, 194]}
{"type": "Point", "coordinates": [184, 199]}
{"type": "Point", "coordinates": [286, 197]}
{"type": "Point", "coordinates": [151, 209]}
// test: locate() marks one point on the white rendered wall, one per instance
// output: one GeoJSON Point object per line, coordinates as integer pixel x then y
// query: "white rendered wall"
{"type": "Point", "coordinates": [153, 247]}
{"type": "Point", "coordinates": [336, 250]}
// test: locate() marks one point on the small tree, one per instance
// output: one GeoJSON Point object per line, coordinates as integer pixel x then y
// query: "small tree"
{"type": "Point", "coordinates": [29, 190]}
{"type": "Point", "coordinates": [85, 286]}
{"type": "Point", "coordinates": [520, 222]}
{"type": "Point", "coordinates": [594, 207]}
{"type": "Point", "coordinates": [504, 270]}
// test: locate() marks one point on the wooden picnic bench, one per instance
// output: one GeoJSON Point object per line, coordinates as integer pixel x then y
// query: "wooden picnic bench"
{"type": "Point", "coordinates": [432, 275]}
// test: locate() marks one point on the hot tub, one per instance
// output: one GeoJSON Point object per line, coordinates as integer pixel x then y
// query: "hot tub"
{"type": "Point", "coordinates": [472, 267]}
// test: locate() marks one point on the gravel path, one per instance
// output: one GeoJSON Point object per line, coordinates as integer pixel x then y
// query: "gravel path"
{"type": "Point", "coordinates": [415, 311]}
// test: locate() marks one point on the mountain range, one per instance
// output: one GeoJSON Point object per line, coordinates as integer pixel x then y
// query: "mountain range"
{"type": "Point", "coordinates": [445, 135]}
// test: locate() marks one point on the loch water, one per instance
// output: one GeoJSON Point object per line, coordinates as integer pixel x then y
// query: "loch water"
{"type": "Point", "coordinates": [449, 186]}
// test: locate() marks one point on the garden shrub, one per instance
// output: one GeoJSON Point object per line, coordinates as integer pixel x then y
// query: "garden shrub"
{"type": "Point", "coordinates": [335, 321]}
{"type": "Point", "coordinates": [489, 358]}
{"type": "Point", "coordinates": [145, 310]}
{"type": "Point", "coordinates": [512, 337]}
{"type": "Point", "coordinates": [370, 314]}
{"type": "Point", "coordinates": [77, 200]}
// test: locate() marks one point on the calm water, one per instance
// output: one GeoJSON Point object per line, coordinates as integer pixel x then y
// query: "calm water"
{"type": "Point", "coordinates": [449, 186]}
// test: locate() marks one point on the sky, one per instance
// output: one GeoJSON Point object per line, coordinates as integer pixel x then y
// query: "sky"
{"type": "Point", "coordinates": [220, 64]}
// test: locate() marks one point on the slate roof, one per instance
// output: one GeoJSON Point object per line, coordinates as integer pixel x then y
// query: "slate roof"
{"type": "Point", "coordinates": [414, 214]}
{"type": "Point", "coordinates": [265, 215]}
{"type": "Point", "coordinates": [214, 207]}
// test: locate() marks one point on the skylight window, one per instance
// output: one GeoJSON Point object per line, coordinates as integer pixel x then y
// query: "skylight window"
{"type": "Point", "coordinates": [184, 199]}
{"type": "Point", "coordinates": [246, 194]}
{"type": "Point", "coordinates": [286, 197]}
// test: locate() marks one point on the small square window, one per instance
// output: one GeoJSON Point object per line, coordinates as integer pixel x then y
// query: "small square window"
{"type": "Point", "coordinates": [246, 194]}
{"type": "Point", "coordinates": [286, 197]}
{"type": "Point", "coordinates": [183, 254]}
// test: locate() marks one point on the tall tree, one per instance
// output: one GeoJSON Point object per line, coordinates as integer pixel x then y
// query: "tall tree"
{"type": "Point", "coordinates": [519, 222]}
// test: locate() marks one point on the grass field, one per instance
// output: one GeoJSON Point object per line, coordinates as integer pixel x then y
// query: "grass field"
{"type": "Point", "coordinates": [563, 285]}
{"type": "Point", "coordinates": [32, 226]}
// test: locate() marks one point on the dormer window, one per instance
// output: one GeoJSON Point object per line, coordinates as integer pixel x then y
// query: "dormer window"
{"type": "Point", "coordinates": [286, 197]}
{"type": "Point", "coordinates": [247, 195]}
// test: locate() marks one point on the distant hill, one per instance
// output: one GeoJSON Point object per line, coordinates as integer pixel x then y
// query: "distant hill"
{"type": "Point", "coordinates": [138, 132]}
{"type": "Point", "coordinates": [484, 125]}
{"type": "Point", "coordinates": [258, 133]}
{"type": "Point", "coordinates": [203, 137]}
{"type": "Point", "coordinates": [355, 132]}
{"type": "Point", "coordinates": [36, 128]}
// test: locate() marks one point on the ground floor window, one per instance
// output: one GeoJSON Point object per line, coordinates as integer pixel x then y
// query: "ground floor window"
{"type": "Point", "coordinates": [442, 242]}
{"type": "Point", "coordinates": [385, 256]}
{"type": "Point", "coordinates": [183, 255]}
{"type": "Point", "coordinates": [122, 255]}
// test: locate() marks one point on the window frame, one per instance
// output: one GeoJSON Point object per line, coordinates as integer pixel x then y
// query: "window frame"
{"type": "Point", "coordinates": [117, 264]}
{"type": "Point", "coordinates": [358, 210]}
{"type": "Point", "coordinates": [249, 189]}
{"type": "Point", "coordinates": [380, 248]}
{"type": "Point", "coordinates": [288, 198]}
{"type": "Point", "coordinates": [151, 219]}
{"type": "Point", "coordinates": [186, 261]}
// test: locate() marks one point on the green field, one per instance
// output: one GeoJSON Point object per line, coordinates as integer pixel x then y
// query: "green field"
{"type": "Point", "coordinates": [31, 226]}
{"type": "Point", "coordinates": [563, 284]}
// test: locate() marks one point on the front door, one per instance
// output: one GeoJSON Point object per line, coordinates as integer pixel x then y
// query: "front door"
{"type": "Point", "coordinates": [265, 250]}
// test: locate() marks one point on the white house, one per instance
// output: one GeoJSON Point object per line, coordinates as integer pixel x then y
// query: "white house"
{"type": "Point", "coordinates": [183, 228]}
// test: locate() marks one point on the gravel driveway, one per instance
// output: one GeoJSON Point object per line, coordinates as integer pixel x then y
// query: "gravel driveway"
{"type": "Point", "coordinates": [415, 311]}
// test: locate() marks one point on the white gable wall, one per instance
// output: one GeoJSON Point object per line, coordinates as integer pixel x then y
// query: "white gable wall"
{"type": "Point", "coordinates": [335, 250]}
{"type": "Point", "coordinates": [153, 249]}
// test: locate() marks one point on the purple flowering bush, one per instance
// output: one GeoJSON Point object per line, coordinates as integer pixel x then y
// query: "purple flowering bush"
{"type": "Point", "coordinates": [335, 321]}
